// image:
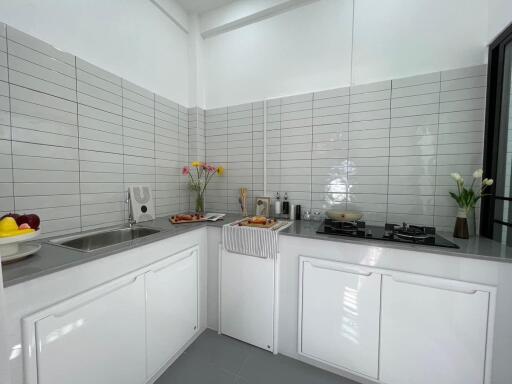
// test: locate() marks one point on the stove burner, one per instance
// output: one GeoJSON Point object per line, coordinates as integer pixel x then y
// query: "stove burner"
{"type": "Point", "coordinates": [410, 232]}
{"type": "Point", "coordinates": [354, 228]}
{"type": "Point", "coordinates": [390, 232]}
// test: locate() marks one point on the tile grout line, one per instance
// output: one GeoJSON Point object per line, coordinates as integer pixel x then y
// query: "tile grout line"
{"type": "Point", "coordinates": [10, 119]}
{"type": "Point", "coordinates": [437, 148]}
{"type": "Point", "coordinates": [311, 153]}
{"type": "Point", "coordinates": [154, 149]}
{"type": "Point", "coordinates": [125, 194]}
{"type": "Point", "coordinates": [228, 184]}
{"type": "Point", "coordinates": [389, 148]}
{"type": "Point", "coordinates": [348, 161]}
{"type": "Point", "coordinates": [251, 194]}
{"type": "Point", "coordinates": [78, 149]}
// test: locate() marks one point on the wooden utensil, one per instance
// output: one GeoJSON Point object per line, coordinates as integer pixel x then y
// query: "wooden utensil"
{"type": "Point", "coordinates": [244, 193]}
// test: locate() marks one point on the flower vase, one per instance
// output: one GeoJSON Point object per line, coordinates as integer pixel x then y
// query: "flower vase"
{"type": "Point", "coordinates": [471, 216]}
{"type": "Point", "coordinates": [200, 202]}
{"type": "Point", "coordinates": [461, 225]}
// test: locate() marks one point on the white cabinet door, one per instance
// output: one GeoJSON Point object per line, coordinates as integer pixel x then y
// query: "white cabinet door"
{"type": "Point", "coordinates": [172, 307]}
{"type": "Point", "coordinates": [433, 331]}
{"type": "Point", "coordinates": [339, 315]}
{"type": "Point", "coordinates": [247, 299]}
{"type": "Point", "coordinates": [97, 337]}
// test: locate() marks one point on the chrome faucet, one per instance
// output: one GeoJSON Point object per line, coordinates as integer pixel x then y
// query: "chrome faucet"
{"type": "Point", "coordinates": [131, 220]}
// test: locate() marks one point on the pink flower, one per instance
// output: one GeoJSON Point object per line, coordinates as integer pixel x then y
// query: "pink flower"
{"type": "Point", "coordinates": [212, 169]}
{"type": "Point", "coordinates": [185, 171]}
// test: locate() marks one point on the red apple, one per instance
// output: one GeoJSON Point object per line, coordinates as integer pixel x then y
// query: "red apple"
{"type": "Point", "coordinates": [32, 220]}
{"type": "Point", "coordinates": [13, 215]}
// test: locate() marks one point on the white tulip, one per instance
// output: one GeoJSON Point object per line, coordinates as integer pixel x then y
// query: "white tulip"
{"type": "Point", "coordinates": [478, 173]}
{"type": "Point", "coordinates": [456, 176]}
{"type": "Point", "coordinates": [488, 182]}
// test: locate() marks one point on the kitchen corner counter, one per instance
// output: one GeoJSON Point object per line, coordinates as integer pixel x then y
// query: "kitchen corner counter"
{"type": "Point", "coordinates": [53, 258]}
{"type": "Point", "coordinates": [475, 247]}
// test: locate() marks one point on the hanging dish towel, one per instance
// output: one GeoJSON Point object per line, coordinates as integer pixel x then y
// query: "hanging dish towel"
{"type": "Point", "coordinates": [259, 242]}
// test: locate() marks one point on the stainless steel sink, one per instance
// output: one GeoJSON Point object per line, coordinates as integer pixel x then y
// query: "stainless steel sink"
{"type": "Point", "coordinates": [89, 242]}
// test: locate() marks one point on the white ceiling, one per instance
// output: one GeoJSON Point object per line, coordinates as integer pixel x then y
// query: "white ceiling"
{"type": "Point", "coordinates": [200, 6]}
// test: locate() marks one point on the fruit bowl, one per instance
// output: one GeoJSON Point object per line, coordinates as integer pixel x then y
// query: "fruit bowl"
{"type": "Point", "coordinates": [18, 238]}
{"type": "Point", "coordinates": [13, 247]}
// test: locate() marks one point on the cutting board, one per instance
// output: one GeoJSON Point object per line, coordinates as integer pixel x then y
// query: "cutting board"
{"type": "Point", "coordinates": [270, 223]}
{"type": "Point", "coordinates": [195, 219]}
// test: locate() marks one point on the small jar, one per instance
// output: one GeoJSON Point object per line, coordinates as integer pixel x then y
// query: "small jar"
{"type": "Point", "coordinates": [307, 215]}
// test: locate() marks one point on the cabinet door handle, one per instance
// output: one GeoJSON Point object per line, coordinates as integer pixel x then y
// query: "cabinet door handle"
{"type": "Point", "coordinates": [439, 285]}
{"type": "Point", "coordinates": [354, 271]}
{"type": "Point", "coordinates": [99, 296]}
{"type": "Point", "coordinates": [172, 262]}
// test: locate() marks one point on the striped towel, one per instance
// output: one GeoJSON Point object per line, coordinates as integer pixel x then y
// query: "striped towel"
{"type": "Point", "coordinates": [259, 242]}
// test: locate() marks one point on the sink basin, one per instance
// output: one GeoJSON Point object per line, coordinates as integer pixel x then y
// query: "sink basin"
{"type": "Point", "coordinates": [89, 242]}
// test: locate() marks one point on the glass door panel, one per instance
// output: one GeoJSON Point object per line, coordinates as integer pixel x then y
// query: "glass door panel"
{"type": "Point", "coordinates": [503, 197]}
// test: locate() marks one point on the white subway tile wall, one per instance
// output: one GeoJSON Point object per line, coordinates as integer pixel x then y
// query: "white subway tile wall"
{"type": "Point", "coordinates": [183, 146]}
{"type": "Point", "coordinates": [234, 139]}
{"type": "Point", "coordinates": [385, 148]}
{"type": "Point", "coordinates": [196, 134]}
{"type": "Point", "coordinates": [216, 152]}
{"type": "Point", "coordinates": [167, 159]}
{"type": "Point", "coordinates": [461, 134]}
{"type": "Point", "coordinates": [368, 150]}
{"type": "Point", "coordinates": [73, 137]}
{"type": "Point", "coordinates": [100, 109]}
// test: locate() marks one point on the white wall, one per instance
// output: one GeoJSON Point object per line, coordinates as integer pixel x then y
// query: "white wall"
{"type": "Point", "coordinates": [309, 47]}
{"type": "Point", "coordinates": [500, 16]}
{"type": "Point", "coordinates": [131, 38]}
{"type": "Point", "coordinates": [399, 38]}
{"type": "Point", "coordinates": [295, 52]}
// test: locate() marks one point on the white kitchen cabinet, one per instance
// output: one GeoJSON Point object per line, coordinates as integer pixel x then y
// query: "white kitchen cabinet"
{"type": "Point", "coordinates": [339, 308]}
{"type": "Point", "coordinates": [433, 331]}
{"type": "Point", "coordinates": [171, 307]}
{"type": "Point", "coordinates": [247, 298]}
{"type": "Point", "coordinates": [96, 337]}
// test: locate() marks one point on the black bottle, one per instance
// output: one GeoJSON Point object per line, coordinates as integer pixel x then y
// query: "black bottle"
{"type": "Point", "coordinates": [286, 206]}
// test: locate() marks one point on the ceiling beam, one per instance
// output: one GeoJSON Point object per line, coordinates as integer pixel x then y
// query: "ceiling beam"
{"type": "Point", "coordinates": [173, 11]}
{"type": "Point", "coordinates": [231, 17]}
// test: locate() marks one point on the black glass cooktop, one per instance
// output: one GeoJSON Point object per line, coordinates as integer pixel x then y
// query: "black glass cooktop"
{"type": "Point", "coordinates": [404, 233]}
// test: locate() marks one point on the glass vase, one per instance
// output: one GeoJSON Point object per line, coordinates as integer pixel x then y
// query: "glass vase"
{"type": "Point", "coordinates": [471, 215]}
{"type": "Point", "coordinates": [200, 202]}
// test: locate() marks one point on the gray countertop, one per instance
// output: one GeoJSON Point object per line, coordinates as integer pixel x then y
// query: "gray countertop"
{"type": "Point", "coordinates": [52, 258]}
{"type": "Point", "coordinates": [475, 247]}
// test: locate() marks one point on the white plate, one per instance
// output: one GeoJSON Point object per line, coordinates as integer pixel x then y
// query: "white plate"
{"type": "Point", "coordinates": [24, 250]}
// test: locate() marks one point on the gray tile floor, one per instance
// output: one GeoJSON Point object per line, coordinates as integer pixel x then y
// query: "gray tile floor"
{"type": "Point", "coordinates": [214, 359]}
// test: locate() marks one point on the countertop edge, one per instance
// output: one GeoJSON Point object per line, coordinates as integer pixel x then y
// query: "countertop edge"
{"type": "Point", "coordinates": [16, 273]}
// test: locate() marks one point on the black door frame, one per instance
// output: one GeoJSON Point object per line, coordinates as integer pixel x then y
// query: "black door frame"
{"type": "Point", "coordinates": [495, 76]}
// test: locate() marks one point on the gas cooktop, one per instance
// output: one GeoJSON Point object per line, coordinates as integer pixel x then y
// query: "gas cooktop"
{"type": "Point", "coordinates": [405, 233]}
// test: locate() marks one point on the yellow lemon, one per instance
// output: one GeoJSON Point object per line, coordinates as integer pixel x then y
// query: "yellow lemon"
{"type": "Point", "coordinates": [8, 224]}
